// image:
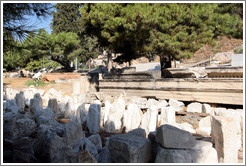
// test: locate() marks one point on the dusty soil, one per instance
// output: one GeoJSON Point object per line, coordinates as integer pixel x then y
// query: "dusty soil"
{"type": "Point", "coordinates": [19, 84]}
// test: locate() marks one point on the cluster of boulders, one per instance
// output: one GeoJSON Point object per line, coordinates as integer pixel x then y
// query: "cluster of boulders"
{"type": "Point", "coordinates": [142, 130]}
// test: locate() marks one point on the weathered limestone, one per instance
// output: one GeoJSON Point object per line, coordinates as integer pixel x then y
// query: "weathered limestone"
{"type": "Point", "coordinates": [141, 102]}
{"type": "Point", "coordinates": [177, 105]}
{"type": "Point", "coordinates": [167, 115]}
{"type": "Point", "coordinates": [11, 106]}
{"type": "Point", "coordinates": [24, 127]}
{"type": "Point", "coordinates": [93, 119]}
{"type": "Point", "coordinates": [217, 110]}
{"type": "Point", "coordinates": [132, 117]}
{"type": "Point", "coordinates": [223, 134]}
{"type": "Point", "coordinates": [194, 107]}
{"type": "Point", "coordinates": [203, 152]}
{"type": "Point", "coordinates": [73, 131]}
{"type": "Point", "coordinates": [187, 127]}
{"type": "Point", "coordinates": [38, 96]}
{"type": "Point", "coordinates": [162, 104]}
{"type": "Point", "coordinates": [34, 105]}
{"type": "Point", "coordinates": [149, 119]}
{"type": "Point", "coordinates": [53, 105]}
{"type": "Point", "coordinates": [206, 108]}
{"type": "Point", "coordinates": [172, 156]}
{"type": "Point", "coordinates": [237, 116]}
{"type": "Point", "coordinates": [171, 137]}
{"type": "Point", "coordinates": [68, 110]}
{"type": "Point", "coordinates": [106, 111]}
{"type": "Point", "coordinates": [96, 140]}
{"type": "Point", "coordinates": [115, 115]}
{"type": "Point", "coordinates": [204, 126]}
{"type": "Point", "coordinates": [128, 148]}
{"type": "Point", "coordinates": [20, 101]}
{"type": "Point", "coordinates": [104, 156]}
{"type": "Point", "coordinates": [86, 144]}
{"type": "Point", "coordinates": [151, 102]}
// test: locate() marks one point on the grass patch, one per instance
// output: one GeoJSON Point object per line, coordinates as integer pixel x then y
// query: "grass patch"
{"type": "Point", "coordinates": [38, 84]}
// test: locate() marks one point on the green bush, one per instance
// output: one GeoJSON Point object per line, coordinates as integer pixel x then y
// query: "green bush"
{"type": "Point", "coordinates": [39, 83]}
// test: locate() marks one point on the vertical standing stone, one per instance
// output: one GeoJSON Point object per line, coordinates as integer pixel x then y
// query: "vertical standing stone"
{"type": "Point", "coordinates": [53, 105]}
{"type": "Point", "coordinates": [38, 96]}
{"type": "Point", "coordinates": [149, 119]}
{"type": "Point", "coordinates": [167, 115]}
{"type": "Point", "coordinates": [132, 117]}
{"type": "Point", "coordinates": [34, 105]}
{"type": "Point", "coordinates": [224, 134]}
{"type": "Point", "coordinates": [20, 101]}
{"type": "Point", "coordinates": [93, 120]}
{"type": "Point", "coordinates": [177, 105]}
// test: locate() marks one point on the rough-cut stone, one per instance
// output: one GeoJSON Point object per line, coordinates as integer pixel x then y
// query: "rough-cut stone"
{"type": "Point", "coordinates": [167, 115]}
{"type": "Point", "coordinates": [93, 119]}
{"type": "Point", "coordinates": [11, 106]}
{"type": "Point", "coordinates": [194, 107]}
{"type": "Point", "coordinates": [204, 126]}
{"type": "Point", "coordinates": [129, 148]}
{"type": "Point", "coordinates": [218, 110]}
{"type": "Point", "coordinates": [96, 140]}
{"type": "Point", "coordinates": [172, 156]}
{"type": "Point", "coordinates": [171, 137]}
{"type": "Point", "coordinates": [86, 144]}
{"type": "Point", "coordinates": [20, 101]}
{"type": "Point", "coordinates": [206, 108]}
{"type": "Point", "coordinates": [177, 105]}
{"type": "Point", "coordinates": [132, 117]}
{"type": "Point", "coordinates": [53, 105]}
{"type": "Point", "coordinates": [104, 156]}
{"type": "Point", "coordinates": [237, 115]}
{"type": "Point", "coordinates": [223, 135]}
{"type": "Point", "coordinates": [203, 152]}
{"type": "Point", "coordinates": [151, 102]}
{"type": "Point", "coordinates": [162, 104]}
{"type": "Point", "coordinates": [73, 131]}
{"type": "Point", "coordinates": [106, 111]}
{"type": "Point", "coordinates": [149, 119]}
{"type": "Point", "coordinates": [24, 127]}
{"type": "Point", "coordinates": [187, 127]}
{"type": "Point", "coordinates": [115, 116]}
{"type": "Point", "coordinates": [138, 132]}
{"type": "Point", "coordinates": [141, 102]}
{"type": "Point", "coordinates": [68, 110]}
{"type": "Point", "coordinates": [86, 157]}
{"type": "Point", "coordinates": [34, 105]}
{"type": "Point", "coordinates": [38, 96]}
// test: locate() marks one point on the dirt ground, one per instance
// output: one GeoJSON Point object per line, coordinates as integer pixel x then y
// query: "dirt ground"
{"type": "Point", "coordinates": [19, 84]}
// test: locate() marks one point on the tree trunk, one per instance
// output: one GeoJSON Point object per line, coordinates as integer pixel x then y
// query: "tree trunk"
{"type": "Point", "coordinates": [165, 62]}
{"type": "Point", "coordinates": [110, 61]}
{"type": "Point", "coordinates": [64, 63]}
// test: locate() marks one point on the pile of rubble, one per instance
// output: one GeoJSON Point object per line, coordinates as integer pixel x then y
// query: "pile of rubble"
{"type": "Point", "coordinates": [68, 131]}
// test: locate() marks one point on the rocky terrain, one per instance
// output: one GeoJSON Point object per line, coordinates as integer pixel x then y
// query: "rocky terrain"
{"type": "Point", "coordinates": [48, 127]}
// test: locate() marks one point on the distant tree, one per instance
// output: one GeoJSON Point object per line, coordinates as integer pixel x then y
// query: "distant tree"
{"type": "Point", "coordinates": [14, 21]}
{"type": "Point", "coordinates": [61, 48]}
{"type": "Point", "coordinates": [66, 18]}
{"type": "Point", "coordinates": [172, 31]}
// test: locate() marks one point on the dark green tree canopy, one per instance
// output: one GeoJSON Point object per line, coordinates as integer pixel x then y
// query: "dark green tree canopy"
{"type": "Point", "coordinates": [170, 30]}
{"type": "Point", "coordinates": [66, 18]}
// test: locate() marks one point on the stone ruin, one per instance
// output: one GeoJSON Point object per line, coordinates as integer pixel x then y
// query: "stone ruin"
{"type": "Point", "coordinates": [122, 130]}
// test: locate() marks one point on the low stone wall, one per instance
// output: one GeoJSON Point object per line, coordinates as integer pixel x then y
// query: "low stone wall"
{"type": "Point", "coordinates": [206, 90]}
{"type": "Point", "coordinates": [60, 76]}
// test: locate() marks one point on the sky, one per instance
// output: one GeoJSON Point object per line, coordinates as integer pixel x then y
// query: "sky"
{"type": "Point", "coordinates": [43, 22]}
